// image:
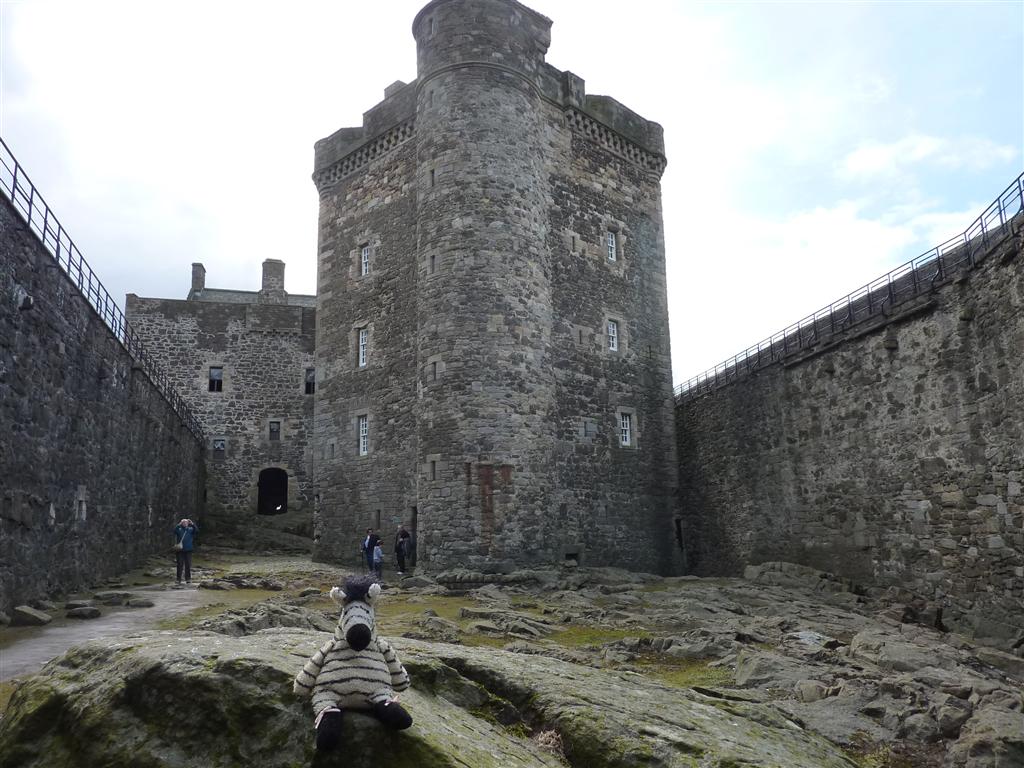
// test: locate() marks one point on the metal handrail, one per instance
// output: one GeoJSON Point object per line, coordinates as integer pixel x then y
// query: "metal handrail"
{"type": "Point", "coordinates": [914, 278]}
{"type": "Point", "coordinates": [19, 189]}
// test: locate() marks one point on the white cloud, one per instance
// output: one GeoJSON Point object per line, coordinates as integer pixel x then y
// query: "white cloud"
{"type": "Point", "coordinates": [870, 161]}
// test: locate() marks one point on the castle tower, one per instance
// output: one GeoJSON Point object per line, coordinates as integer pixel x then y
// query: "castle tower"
{"type": "Point", "coordinates": [493, 335]}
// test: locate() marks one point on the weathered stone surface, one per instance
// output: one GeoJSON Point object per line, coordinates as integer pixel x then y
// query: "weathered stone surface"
{"type": "Point", "coordinates": [90, 444]}
{"type": "Point", "coordinates": [263, 343]}
{"type": "Point", "coordinates": [888, 464]}
{"type": "Point", "coordinates": [140, 602]}
{"type": "Point", "coordinates": [490, 278]}
{"type": "Point", "coordinates": [264, 616]}
{"type": "Point", "coordinates": [993, 738]}
{"type": "Point", "coordinates": [108, 703]}
{"type": "Point", "coordinates": [84, 612]}
{"type": "Point", "coordinates": [27, 616]}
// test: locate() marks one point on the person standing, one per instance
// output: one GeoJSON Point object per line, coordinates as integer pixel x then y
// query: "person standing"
{"type": "Point", "coordinates": [184, 541]}
{"type": "Point", "coordinates": [402, 546]}
{"type": "Point", "coordinates": [378, 560]}
{"type": "Point", "coordinates": [367, 549]}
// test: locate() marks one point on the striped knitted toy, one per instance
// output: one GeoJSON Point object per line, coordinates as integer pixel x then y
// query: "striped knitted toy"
{"type": "Point", "coordinates": [355, 669]}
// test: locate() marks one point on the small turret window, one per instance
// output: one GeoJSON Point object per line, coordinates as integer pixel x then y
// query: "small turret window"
{"type": "Point", "coordinates": [613, 246]}
{"type": "Point", "coordinates": [431, 27]}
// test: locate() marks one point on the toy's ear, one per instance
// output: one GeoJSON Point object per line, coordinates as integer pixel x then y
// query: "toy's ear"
{"type": "Point", "coordinates": [373, 592]}
{"type": "Point", "coordinates": [337, 595]}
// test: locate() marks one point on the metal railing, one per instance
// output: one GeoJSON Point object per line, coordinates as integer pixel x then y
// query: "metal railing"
{"type": "Point", "coordinates": [915, 278]}
{"type": "Point", "coordinates": [19, 189]}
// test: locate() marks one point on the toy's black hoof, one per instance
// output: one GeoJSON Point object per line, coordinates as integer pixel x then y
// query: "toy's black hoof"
{"type": "Point", "coordinates": [393, 715]}
{"type": "Point", "coordinates": [328, 733]}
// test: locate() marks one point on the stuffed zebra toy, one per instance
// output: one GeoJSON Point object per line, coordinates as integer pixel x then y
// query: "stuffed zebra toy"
{"type": "Point", "coordinates": [355, 669]}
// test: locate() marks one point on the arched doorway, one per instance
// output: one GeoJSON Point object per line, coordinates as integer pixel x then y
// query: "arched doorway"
{"type": "Point", "coordinates": [273, 492]}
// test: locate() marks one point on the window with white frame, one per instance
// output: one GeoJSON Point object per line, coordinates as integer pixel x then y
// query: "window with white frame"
{"type": "Point", "coordinates": [364, 340]}
{"type": "Point", "coordinates": [364, 259]}
{"type": "Point", "coordinates": [613, 246]}
{"type": "Point", "coordinates": [364, 434]}
{"type": "Point", "coordinates": [626, 429]}
{"type": "Point", "coordinates": [613, 336]}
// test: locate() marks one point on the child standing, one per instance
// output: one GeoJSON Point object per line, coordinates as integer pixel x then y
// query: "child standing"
{"type": "Point", "coordinates": [378, 559]}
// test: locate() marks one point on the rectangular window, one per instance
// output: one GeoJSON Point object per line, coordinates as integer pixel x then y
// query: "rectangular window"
{"type": "Point", "coordinates": [433, 470]}
{"type": "Point", "coordinates": [613, 242]}
{"type": "Point", "coordinates": [433, 371]}
{"type": "Point", "coordinates": [433, 263]}
{"type": "Point", "coordinates": [275, 430]}
{"type": "Point", "coordinates": [364, 435]}
{"type": "Point", "coordinates": [216, 379]}
{"type": "Point", "coordinates": [626, 428]}
{"type": "Point", "coordinates": [331, 448]}
{"type": "Point", "coordinates": [364, 259]}
{"type": "Point", "coordinates": [310, 381]}
{"type": "Point", "coordinates": [364, 338]}
{"type": "Point", "coordinates": [433, 177]}
{"type": "Point", "coordinates": [219, 447]}
{"type": "Point", "coordinates": [613, 336]}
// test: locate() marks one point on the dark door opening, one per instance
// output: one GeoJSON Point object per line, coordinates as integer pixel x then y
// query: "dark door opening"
{"type": "Point", "coordinates": [273, 492]}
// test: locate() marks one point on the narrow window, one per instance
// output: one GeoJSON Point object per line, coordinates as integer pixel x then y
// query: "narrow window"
{"type": "Point", "coordinates": [430, 98]}
{"type": "Point", "coordinates": [364, 259]}
{"type": "Point", "coordinates": [574, 243]}
{"type": "Point", "coordinates": [364, 435]}
{"type": "Point", "coordinates": [433, 470]}
{"type": "Point", "coordinates": [432, 177]}
{"type": "Point", "coordinates": [310, 381]}
{"type": "Point", "coordinates": [626, 429]}
{"type": "Point", "coordinates": [613, 336]}
{"type": "Point", "coordinates": [431, 27]}
{"type": "Point", "coordinates": [581, 336]}
{"type": "Point", "coordinates": [216, 379]}
{"type": "Point", "coordinates": [433, 263]}
{"type": "Point", "coordinates": [331, 447]}
{"type": "Point", "coordinates": [376, 525]}
{"type": "Point", "coordinates": [364, 338]}
{"type": "Point", "coordinates": [433, 371]}
{"type": "Point", "coordinates": [275, 430]}
{"type": "Point", "coordinates": [613, 246]}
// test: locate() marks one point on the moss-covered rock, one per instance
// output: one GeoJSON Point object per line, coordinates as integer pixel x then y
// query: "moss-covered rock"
{"type": "Point", "coordinates": [169, 699]}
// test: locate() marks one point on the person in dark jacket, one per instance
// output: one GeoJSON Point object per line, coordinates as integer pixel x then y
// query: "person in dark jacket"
{"type": "Point", "coordinates": [184, 540]}
{"type": "Point", "coordinates": [369, 542]}
{"type": "Point", "coordinates": [403, 542]}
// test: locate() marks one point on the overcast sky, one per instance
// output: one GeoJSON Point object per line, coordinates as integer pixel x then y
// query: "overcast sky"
{"type": "Point", "coordinates": [811, 146]}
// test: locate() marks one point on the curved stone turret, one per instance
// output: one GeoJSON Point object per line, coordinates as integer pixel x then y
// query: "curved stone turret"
{"type": "Point", "coordinates": [484, 299]}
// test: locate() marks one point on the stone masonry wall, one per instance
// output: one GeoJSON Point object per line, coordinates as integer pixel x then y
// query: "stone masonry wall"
{"type": "Point", "coordinates": [264, 350]}
{"type": "Point", "coordinates": [894, 458]}
{"type": "Point", "coordinates": [95, 465]}
{"type": "Point", "coordinates": [485, 191]}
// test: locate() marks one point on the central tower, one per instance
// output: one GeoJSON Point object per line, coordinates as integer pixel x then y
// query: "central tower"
{"type": "Point", "coordinates": [492, 348]}
{"type": "Point", "coordinates": [484, 310]}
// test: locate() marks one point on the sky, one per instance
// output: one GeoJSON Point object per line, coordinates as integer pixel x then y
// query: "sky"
{"type": "Point", "coordinates": [811, 146]}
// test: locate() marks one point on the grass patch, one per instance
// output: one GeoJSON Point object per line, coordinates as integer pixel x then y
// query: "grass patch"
{"type": "Point", "coordinates": [686, 674]}
{"type": "Point", "coordinates": [574, 636]}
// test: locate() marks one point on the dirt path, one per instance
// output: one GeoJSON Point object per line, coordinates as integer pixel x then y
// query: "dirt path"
{"type": "Point", "coordinates": [24, 650]}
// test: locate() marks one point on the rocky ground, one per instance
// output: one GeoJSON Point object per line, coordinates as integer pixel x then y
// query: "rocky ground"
{"type": "Point", "coordinates": [580, 667]}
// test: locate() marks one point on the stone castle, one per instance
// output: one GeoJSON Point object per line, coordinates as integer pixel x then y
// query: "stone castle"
{"type": "Point", "coordinates": [487, 360]}
{"type": "Point", "coordinates": [491, 350]}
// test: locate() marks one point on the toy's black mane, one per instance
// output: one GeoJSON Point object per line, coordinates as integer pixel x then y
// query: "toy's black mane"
{"type": "Point", "coordinates": [356, 587]}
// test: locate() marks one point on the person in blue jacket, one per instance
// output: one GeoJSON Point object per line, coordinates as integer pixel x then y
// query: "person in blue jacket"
{"type": "Point", "coordinates": [184, 540]}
